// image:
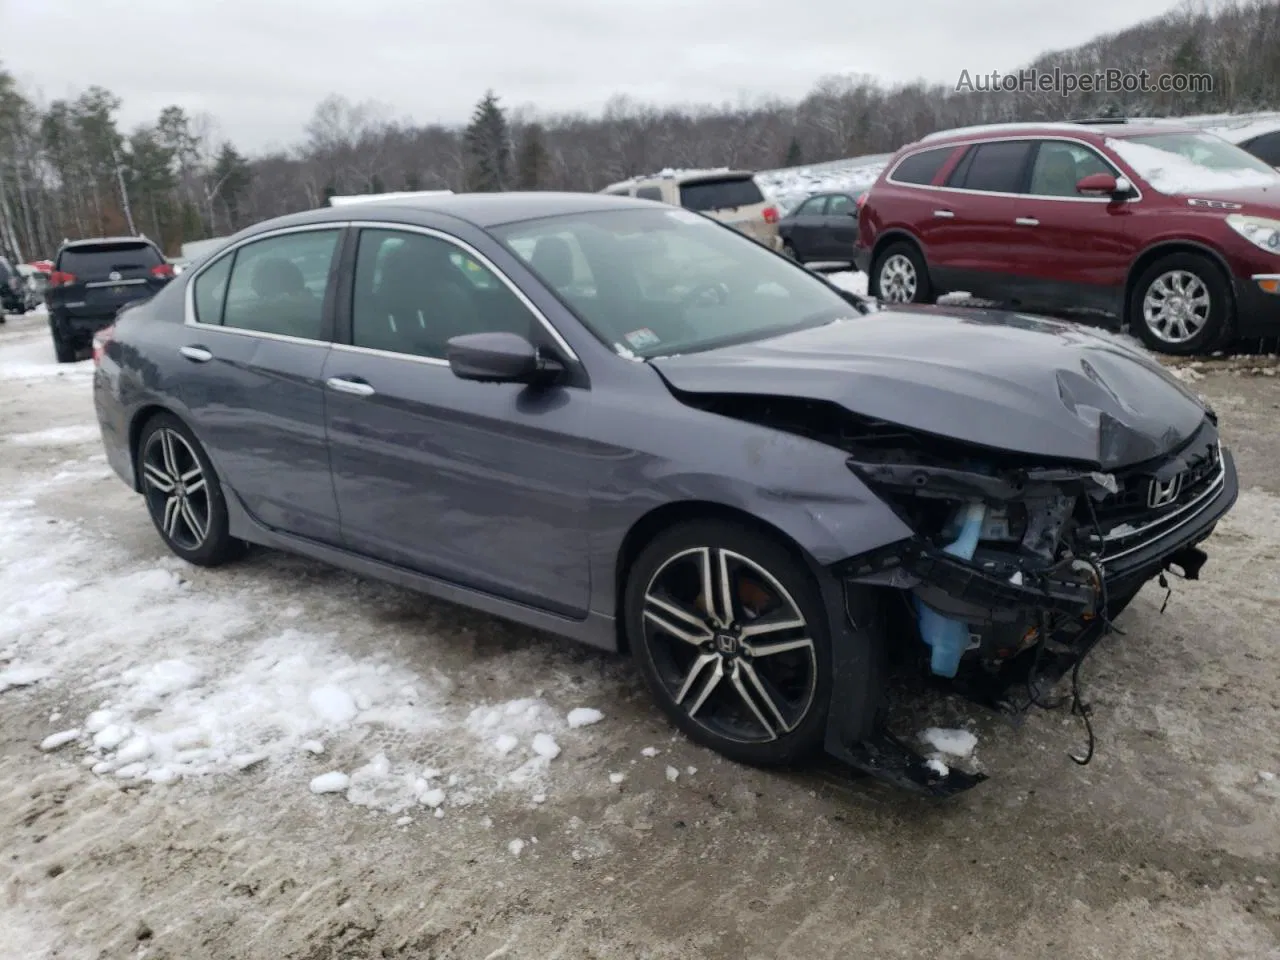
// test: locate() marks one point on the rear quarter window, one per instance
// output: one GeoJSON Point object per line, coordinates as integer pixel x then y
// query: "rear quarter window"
{"type": "Point", "coordinates": [922, 167]}
{"type": "Point", "coordinates": [103, 259]}
{"type": "Point", "coordinates": [721, 194]}
{"type": "Point", "coordinates": [649, 193]}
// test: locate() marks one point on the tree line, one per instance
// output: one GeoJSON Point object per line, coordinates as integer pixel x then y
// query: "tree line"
{"type": "Point", "coordinates": [68, 170]}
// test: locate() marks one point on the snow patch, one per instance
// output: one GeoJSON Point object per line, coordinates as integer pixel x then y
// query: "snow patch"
{"type": "Point", "coordinates": [57, 740]}
{"type": "Point", "coordinates": [583, 716]}
{"type": "Point", "coordinates": [333, 782]}
{"type": "Point", "coordinates": [57, 436]}
{"type": "Point", "coordinates": [15, 677]}
{"type": "Point", "coordinates": [953, 743]}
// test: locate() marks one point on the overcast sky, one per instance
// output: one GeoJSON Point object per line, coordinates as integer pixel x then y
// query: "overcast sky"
{"type": "Point", "coordinates": [260, 66]}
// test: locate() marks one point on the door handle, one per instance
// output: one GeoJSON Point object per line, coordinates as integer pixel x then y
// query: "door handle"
{"type": "Point", "coordinates": [357, 388]}
{"type": "Point", "coordinates": [1027, 222]}
{"type": "Point", "coordinates": [196, 354]}
{"type": "Point", "coordinates": [945, 214]}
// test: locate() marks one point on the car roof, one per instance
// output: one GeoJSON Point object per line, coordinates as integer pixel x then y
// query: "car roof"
{"type": "Point", "coordinates": [684, 176]}
{"type": "Point", "coordinates": [1093, 131]}
{"type": "Point", "coordinates": [483, 210]}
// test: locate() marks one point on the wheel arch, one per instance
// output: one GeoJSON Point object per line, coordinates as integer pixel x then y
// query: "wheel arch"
{"type": "Point", "coordinates": [889, 237]}
{"type": "Point", "coordinates": [662, 518]}
{"type": "Point", "coordinates": [1165, 248]}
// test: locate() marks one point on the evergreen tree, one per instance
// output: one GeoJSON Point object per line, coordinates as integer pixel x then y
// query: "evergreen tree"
{"type": "Point", "coordinates": [533, 162]}
{"type": "Point", "coordinates": [794, 157]}
{"type": "Point", "coordinates": [488, 147]}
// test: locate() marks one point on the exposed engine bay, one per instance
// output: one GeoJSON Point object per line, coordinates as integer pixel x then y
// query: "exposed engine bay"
{"type": "Point", "coordinates": [1017, 565]}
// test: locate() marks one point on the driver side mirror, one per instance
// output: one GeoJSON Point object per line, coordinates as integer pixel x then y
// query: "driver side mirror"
{"type": "Point", "coordinates": [1104, 185]}
{"type": "Point", "coordinates": [500, 357]}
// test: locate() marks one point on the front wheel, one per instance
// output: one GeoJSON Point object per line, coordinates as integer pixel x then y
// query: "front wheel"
{"type": "Point", "coordinates": [900, 275]}
{"type": "Point", "coordinates": [1182, 305]}
{"type": "Point", "coordinates": [730, 632]}
{"type": "Point", "coordinates": [183, 494]}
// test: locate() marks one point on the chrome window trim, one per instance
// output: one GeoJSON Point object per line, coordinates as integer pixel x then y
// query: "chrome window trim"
{"type": "Point", "coordinates": [483, 261]}
{"type": "Point", "coordinates": [1015, 196]}
{"type": "Point", "coordinates": [189, 294]}
{"type": "Point", "coordinates": [1188, 512]}
{"type": "Point", "coordinates": [375, 352]}
{"type": "Point", "coordinates": [189, 311]}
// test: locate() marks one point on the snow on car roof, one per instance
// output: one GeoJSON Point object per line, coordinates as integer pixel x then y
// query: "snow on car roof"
{"type": "Point", "coordinates": [342, 201]}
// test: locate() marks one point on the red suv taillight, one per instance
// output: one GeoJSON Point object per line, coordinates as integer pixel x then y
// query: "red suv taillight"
{"type": "Point", "coordinates": [60, 279]}
{"type": "Point", "coordinates": [770, 214]}
{"type": "Point", "coordinates": [162, 270]}
{"type": "Point", "coordinates": [100, 341]}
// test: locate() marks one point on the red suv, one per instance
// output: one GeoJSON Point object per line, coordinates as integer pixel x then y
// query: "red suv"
{"type": "Point", "coordinates": [1173, 229]}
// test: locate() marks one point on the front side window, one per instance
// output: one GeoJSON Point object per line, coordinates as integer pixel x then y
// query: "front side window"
{"type": "Point", "coordinates": [277, 285]}
{"type": "Point", "coordinates": [413, 292]}
{"type": "Point", "coordinates": [1060, 165]}
{"type": "Point", "coordinates": [656, 282]}
{"type": "Point", "coordinates": [995, 167]}
{"type": "Point", "coordinates": [841, 205]}
{"type": "Point", "coordinates": [649, 193]}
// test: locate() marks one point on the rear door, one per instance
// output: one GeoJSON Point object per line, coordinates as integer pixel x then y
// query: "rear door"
{"type": "Point", "coordinates": [806, 228]}
{"type": "Point", "coordinates": [973, 236]}
{"type": "Point", "coordinates": [93, 281]}
{"type": "Point", "coordinates": [841, 227]}
{"type": "Point", "coordinates": [257, 337]}
{"type": "Point", "coordinates": [733, 199]}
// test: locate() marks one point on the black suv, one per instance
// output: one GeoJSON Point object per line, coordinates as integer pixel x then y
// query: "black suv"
{"type": "Point", "coordinates": [92, 280]}
{"type": "Point", "coordinates": [13, 291]}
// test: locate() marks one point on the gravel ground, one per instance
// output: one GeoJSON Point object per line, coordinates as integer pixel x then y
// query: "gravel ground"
{"type": "Point", "coordinates": [1167, 845]}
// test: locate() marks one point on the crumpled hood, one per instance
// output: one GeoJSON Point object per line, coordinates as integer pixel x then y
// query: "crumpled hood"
{"type": "Point", "coordinates": [1001, 380]}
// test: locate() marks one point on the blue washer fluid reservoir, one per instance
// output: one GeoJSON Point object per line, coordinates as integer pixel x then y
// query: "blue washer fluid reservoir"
{"type": "Point", "coordinates": [949, 638]}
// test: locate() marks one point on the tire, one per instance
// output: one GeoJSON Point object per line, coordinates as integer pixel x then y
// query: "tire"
{"type": "Point", "coordinates": [1202, 281]}
{"type": "Point", "coordinates": [909, 282]}
{"type": "Point", "coordinates": [789, 251]}
{"type": "Point", "coordinates": [197, 529]}
{"type": "Point", "coordinates": [789, 723]}
{"type": "Point", "coordinates": [63, 350]}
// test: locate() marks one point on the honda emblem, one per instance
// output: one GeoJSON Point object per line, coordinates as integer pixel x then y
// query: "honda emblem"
{"type": "Point", "coordinates": [1161, 493]}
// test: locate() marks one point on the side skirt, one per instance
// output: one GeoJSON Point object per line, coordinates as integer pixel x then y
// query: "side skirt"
{"type": "Point", "coordinates": [596, 630]}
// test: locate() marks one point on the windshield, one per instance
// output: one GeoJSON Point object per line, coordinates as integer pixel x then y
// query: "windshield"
{"type": "Point", "coordinates": [1187, 162]}
{"type": "Point", "coordinates": [658, 282]}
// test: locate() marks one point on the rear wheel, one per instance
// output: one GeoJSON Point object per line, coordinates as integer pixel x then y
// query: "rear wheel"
{"type": "Point", "coordinates": [789, 250]}
{"type": "Point", "coordinates": [1181, 305]}
{"type": "Point", "coordinates": [730, 632]}
{"type": "Point", "coordinates": [183, 495]}
{"type": "Point", "coordinates": [900, 275]}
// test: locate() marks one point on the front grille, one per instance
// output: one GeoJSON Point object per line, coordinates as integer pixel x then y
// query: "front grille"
{"type": "Point", "coordinates": [1154, 500]}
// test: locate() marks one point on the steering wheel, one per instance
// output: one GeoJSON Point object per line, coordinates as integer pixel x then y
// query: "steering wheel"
{"type": "Point", "coordinates": [706, 294]}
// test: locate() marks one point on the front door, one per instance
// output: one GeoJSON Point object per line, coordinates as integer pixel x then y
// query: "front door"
{"type": "Point", "coordinates": [254, 358]}
{"type": "Point", "coordinates": [1071, 251]}
{"type": "Point", "coordinates": [842, 227]}
{"type": "Point", "coordinates": [481, 484]}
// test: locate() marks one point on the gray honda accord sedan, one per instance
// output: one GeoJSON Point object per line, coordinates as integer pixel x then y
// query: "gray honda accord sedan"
{"type": "Point", "coordinates": [628, 424]}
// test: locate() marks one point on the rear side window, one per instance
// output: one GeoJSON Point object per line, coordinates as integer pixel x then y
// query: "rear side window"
{"type": "Point", "coordinates": [995, 167]}
{"type": "Point", "coordinates": [921, 167]}
{"type": "Point", "coordinates": [649, 193]}
{"type": "Point", "coordinates": [841, 205]}
{"type": "Point", "coordinates": [723, 194]}
{"type": "Point", "coordinates": [1266, 148]}
{"type": "Point", "coordinates": [101, 260]}
{"type": "Point", "coordinates": [211, 290]}
{"type": "Point", "coordinates": [619, 192]}
{"type": "Point", "coordinates": [277, 285]}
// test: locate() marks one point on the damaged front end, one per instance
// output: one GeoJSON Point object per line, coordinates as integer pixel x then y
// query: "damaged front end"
{"type": "Point", "coordinates": [1016, 570]}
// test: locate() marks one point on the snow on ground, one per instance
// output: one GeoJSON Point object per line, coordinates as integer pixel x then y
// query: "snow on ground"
{"type": "Point", "coordinates": [953, 743]}
{"type": "Point", "coordinates": [855, 281]}
{"type": "Point", "coordinates": [56, 436]}
{"type": "Point", "coordinates": [34, 360]}
{"type": "Point", "coordinates": [788, 186]}
{"type": "Point", "coordinates": [180, 684]}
